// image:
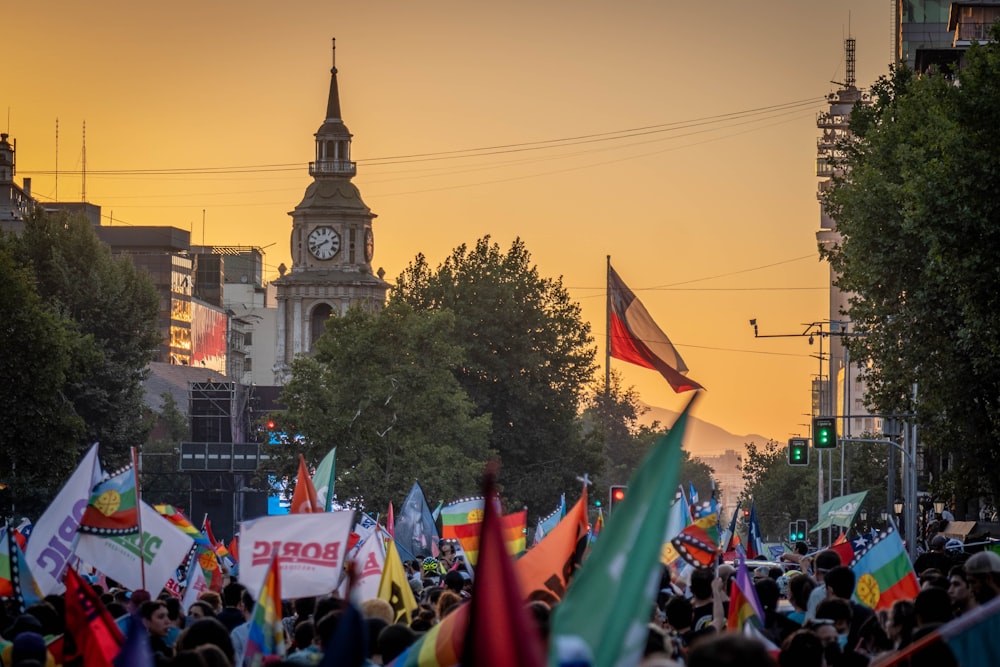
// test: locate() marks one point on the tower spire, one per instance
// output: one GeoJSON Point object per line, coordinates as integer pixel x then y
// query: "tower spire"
{"type": "Point", "coordinates": [333, 102]}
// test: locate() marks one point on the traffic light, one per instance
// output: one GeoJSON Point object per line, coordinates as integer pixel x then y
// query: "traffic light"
{"type": "Point", "coordinates": [824, 432]}
{"type": "Point", "coordinates": [616, 495]}
{"type": "Point", "coordinates": [798, 452]}
{"type": "Point", "coordinates": [793, 528]}
{"type": "Point", "coordinates": [801, 526]}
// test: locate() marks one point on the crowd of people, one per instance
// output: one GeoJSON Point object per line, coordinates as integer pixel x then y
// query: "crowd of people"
{"type": "Point", "coordinates": [810, 618]}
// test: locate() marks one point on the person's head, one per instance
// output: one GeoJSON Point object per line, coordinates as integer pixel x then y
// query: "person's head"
{"type": "Point", "coordinates": [799, 589]}
{"type": "Point", "coordinates": [901, 621]}
{"type": "Point", "coordinates": [246, 603]}
{"type": "Point", "coordinates": [933, 606]}
{"type": "Point", "coordinates": [200, 609]}
{"type": "Point", "coordinates": [838, 611]}
{"type": "Point", "coordinates": [28, 648]}
{"type": "Point", "coordinates": [825, 561]}
{"type": "Point", "coordinates": [304, 607]}
{"type": "Point", "coordinates": [212, 656]}
{"type": "Point", "coordinates": [393, 640]}
{"type": "Point", "coordinates": [446, 549]}
{"type": "Point", "coordinates": [454, 581]}
{"type": "Point", "coordinates": [983, 572]}
{"type": "Point", "coordinates": [840, 582]}
{"type": "Point", "coordinates": [326, 627]}
{"type": "Point", "coordinates": [155, 617]}
{"type": "Point", "coordinates": [207, 631]}
{"type": "Point", "coordinates": [938, 543]}
{"type": "Point", "coordinates": [540, 612]}
{"type": "Point", "coordinates": [304, 634]}
{"type": "Point", "coordinates": [212, 598]}
{"type": "Point", "coordinates": [933, 577]}
{"type": "Point", "coordinates": [760, 573]}
{"type": "Point", "coordinates": [447, 603]}
{"type": "Point", "coordinates": [726, 572]}
{"type": "Point", "coordinates": [378, 608]}
{"type": "Point", "coordinates": [700, 584]}
{"type": "Point", "coordinates": [959, 591]}
{"type": "Point", "coordinates": [802, 648]}
{"type": "Point", "coordinates": [801, 548]}
{"type": "Point", "coordinates": [729, 650]}
{"type": "Point", "coordinates": [825, 631]}
{"type": "Point", "coordinates": [768, 593]}
{"type": "Point", "coordinates": [232, 594]}
{"type": "Point", "coordinates": [137, 598]}
{"type": "Point", "coordinates": [680, 613]}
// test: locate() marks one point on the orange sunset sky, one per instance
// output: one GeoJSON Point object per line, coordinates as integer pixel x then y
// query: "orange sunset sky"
{"type": "Point", "coordinates": [708, 213]}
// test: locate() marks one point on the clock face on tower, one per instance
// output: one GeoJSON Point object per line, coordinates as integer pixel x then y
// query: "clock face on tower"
{"type": "Point", "coordinates": [324, 242]}
{"type": "Point", "coordinates": [369, 245]}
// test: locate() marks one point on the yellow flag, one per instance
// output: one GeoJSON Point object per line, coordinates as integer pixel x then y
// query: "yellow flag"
{"type": "Point", "coordinates": [394, 586]}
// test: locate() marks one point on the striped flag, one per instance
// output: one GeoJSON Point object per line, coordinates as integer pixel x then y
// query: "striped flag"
{"type": "Point", "coordinates": [755, 544]}
{"type": "Point", "coordinates": [744, 606]}
{"type": "Point", "coordinates": [176, 517]}
{"type": "Point", "coordinates": [267, 632]}
{"type": "Point", "coordinates": [884, 572]}
{"type": "Point", "coordinates": [113, 507]}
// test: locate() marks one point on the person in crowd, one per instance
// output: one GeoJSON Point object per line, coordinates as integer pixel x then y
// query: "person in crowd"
{"type": "Point", "coordinates": [679, 625]}
{"type": "Point", "coordinates": [378, 608]}
{"type": "Point", "coordinates": [933, 606]}
{"type": "Point", "coordinates": [393, 640]}
{"type": "Point", "coordinates": [840, 584]}
{"type": "Point", "coordinates": [777, 626]}
{"type": "Point", "coordinates": [28, 648]}
{"type": "Point", "coordinates": [900, 623]}
{"type": "Point", "coordinates": [306, 651]}
{"type": "Point", "coordinates": [157, 621]}
{"type": "Point", "coordinates": [232, 613]}
{"type": "Point", "coordinates": [936, 557]}
{"type": "Point", "coordinates": [837, 649]}
{"type": "Point", "coordinates": [241, 633]}
{"type": "Point", "coordinates": [447, 602]}
{"type": "Point", "coordinates": [702, 600]}
{"type": "Point", "coordinates": [823, 562]}
{"type": "Point", "coordinates": [207, 631]}
{"type": "Point", "coordinates": [799, 587]}
{"type": "Point", "coordinates": [802, 648]}
{"type": "Point", "coordinates": [199, 609]}
{"type": "Point", "coordinates": [983, 572]}
{"type": "Point", "coordinates": [796, 555]}
{"type": "Point", "coordinates": [136, 599]}
{"type": "Point", "coordinates": [959, 591]}
{"type": "Point", "coordinates": [446, 554]}
{"type": "Point", "coordinates": [212, 598]}
{"type": "Point", "coordinates": [729, 650]}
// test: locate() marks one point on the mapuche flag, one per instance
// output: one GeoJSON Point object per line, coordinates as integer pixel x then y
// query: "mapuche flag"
{"type": "Point", "coordinates": [634, 337]}
{"type": "Point", "coordinates": [113, 508]}
{"type": "Point", "coordinates": [884, 573]}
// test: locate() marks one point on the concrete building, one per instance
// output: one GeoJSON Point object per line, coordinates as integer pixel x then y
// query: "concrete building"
{"type": "Point", "coordinates": [15, 201]}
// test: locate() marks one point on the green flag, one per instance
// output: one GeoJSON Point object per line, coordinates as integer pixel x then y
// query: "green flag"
{"type": "Point", "coordinates": [839, 511]}
{"type": "Point", "coordinates": [324, 478]}
{"type": "Point", "coordinates": [608, 604]}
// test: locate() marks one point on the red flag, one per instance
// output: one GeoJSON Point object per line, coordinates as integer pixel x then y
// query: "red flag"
{"type": "Point", "coordinates": [500, 632]}
{"type": "Point", "coordinates": [234, 550]}
{"type": "Point", "coordinates": [304, 499]}
{"type": "Point", "coordinates": [92, 636]}
{"type": "Point", "coordinates": [636, 338]}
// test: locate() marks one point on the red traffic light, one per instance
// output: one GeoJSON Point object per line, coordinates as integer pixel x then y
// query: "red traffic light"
{"type": "Point", "coordinates": [270, 424]}
{"type": "Point", "coordinates": [618, 494]}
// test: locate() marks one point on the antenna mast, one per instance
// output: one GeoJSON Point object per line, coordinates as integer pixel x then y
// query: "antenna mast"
{"type": "Point", "coordinates": [83, 196]}
{"type": "Point", "coordinates": [57, 160]}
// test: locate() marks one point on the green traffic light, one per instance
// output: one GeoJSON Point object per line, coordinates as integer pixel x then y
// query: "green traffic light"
{"type": "Point", "coordinates": [597, 503]}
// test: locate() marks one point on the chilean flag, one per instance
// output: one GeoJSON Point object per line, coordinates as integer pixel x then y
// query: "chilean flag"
{"type": "Point", "coordinates": [634, 337]}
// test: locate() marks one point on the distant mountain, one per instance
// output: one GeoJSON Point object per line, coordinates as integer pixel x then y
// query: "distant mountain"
{"type": "Point", "coordinates": [702, 438]}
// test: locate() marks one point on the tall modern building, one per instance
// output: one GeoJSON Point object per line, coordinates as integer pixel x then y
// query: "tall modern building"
{"type": "Point", "coordinates": [332, 244]}
{"type": "Point", "coordinates": [936, 33]}
{"type": "Point", "coordinates": [841, 391]}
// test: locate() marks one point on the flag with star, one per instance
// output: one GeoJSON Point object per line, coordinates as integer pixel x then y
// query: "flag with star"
{"type": "Point", "coordinates": [607, 606]}
{"type": "Point", "coordinates": [884, 573]}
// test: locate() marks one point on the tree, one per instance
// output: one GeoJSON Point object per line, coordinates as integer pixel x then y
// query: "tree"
{"type": "Point", "coordinates": [528, 356]}
{"type": "Point", "coordinates": [780, 492]}
{"type": "Point", "coordinates": [381, 389]}
{"type": "Point", "coordinates": [920, 225]}
{"type": "Point", "coordinates": [41, 428]}
{"type": "Point", "coordinates": [114, 307]}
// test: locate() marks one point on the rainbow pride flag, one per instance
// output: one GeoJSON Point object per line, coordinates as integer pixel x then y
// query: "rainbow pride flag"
{"type": "Point", "coordinates": [461, 520]}
{"type": "Point", "coordinates": [267, 635]}
{"type": "Point", "coordinates": [177, 518]}
{"type": "Point", "coordinates": [744, 605]}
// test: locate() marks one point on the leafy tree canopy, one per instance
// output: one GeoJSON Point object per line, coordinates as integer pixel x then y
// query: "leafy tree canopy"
{"type": "Point", "coordinates": [528, 356]}
{"type": "Point", "coordinates": [920, 224]}
{"type": "Point", "coordinates": [381, 389]}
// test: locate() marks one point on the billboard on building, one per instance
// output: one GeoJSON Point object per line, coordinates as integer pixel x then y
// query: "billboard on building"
{"type": "Point", "coordinates": [208, 337]}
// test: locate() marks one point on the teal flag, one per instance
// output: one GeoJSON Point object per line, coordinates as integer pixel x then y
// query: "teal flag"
{"type": "Point", "coordinates": [324, 478]}
{"type": "Point", "coordinates": [839, 511]}
{"type": "Point", "coordinates": [608, 604]}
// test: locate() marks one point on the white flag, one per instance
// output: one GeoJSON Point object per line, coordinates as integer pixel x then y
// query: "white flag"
{"type": "Point", "coordinates": [54, 536]}
{"type": "Point", "coordinates": [163, 548]}
{"type": "Point", "coordinates": [196, 585]}
{"type": "Point", "coordinates": [370, 560]}
{"type": "Point", "coordinates": [311, 550]}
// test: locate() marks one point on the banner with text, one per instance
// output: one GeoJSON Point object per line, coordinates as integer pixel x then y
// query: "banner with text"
{"type": "Point", "coordinates": [311, 550]}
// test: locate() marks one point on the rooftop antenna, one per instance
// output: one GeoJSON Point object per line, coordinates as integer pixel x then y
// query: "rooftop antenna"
{"type": "Point", "coordinates": [333, 40]}
{"type": "Point", "coordinates": [57, 160]}
{"type": "Point", "coordinates": [849, 49]}
{"type": "Point", "coordinates": [83, 195]}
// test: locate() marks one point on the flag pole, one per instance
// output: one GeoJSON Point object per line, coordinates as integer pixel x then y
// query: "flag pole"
{"type": "Point", "coordinates": [138, 514]}
{"type": "Point", "coordinates": [607, 331]}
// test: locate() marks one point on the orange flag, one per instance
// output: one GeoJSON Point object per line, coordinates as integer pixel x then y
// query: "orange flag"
{"type": "Point", "coordinates": [304, 499]}
{"type": "Point", "coordinates": [543, 572]}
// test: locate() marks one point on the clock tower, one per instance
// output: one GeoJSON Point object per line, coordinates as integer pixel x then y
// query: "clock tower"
{"type": "Point", "coordinates": [332, 245]}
